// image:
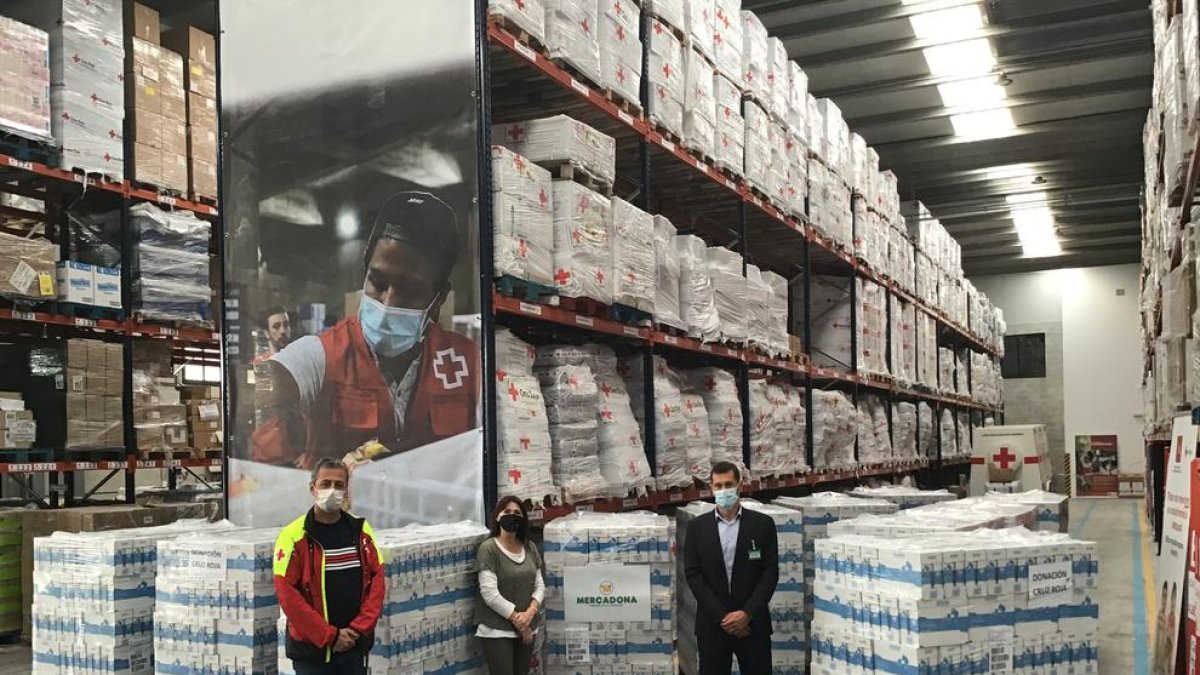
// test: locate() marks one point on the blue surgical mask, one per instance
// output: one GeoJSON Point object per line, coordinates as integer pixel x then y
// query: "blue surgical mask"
{"type": "Point", "coordinates": [391, 330]}
{"type": "Point", "coordinates": [726, 499]}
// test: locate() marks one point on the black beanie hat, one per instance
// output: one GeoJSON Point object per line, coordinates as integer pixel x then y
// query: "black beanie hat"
{"type": "Point", "coordinates": [422, 221]}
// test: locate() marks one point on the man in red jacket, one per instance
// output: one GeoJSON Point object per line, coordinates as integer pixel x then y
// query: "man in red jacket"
{"type": "Point", "coordinates": [389, 373]}
{"type": "Point", "coordinates": [329, 580]}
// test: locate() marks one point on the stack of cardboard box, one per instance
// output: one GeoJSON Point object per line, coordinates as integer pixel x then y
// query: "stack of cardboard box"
{"type": "Point", "coordinates": [17, 427]}
{"type": "Point", "coordinates": [199, 50]}
{"type": "Point", "coordinates": [10, 571]}
{"type": "Point", "coordinates": [204, 417]}
{"type": "Point", "coordinates": [157, 105]}
{"type": "Point", "coordinates": [159, 416]}
{"type": "Point", "coordinates": [95, 382]}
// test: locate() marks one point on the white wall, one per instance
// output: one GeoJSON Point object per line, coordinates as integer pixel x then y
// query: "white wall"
{"type": "Point", "coordinates": [1101, 353]}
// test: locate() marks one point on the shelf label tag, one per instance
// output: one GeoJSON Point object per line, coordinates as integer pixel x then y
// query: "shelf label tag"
{"type": "Point", "coordinates": [20, 468]}
{"type": "Point", "coordinates": [537, 515]}
{"type": "Point", "coordinates": [530, 308]}
{"type": "Point", "coordinates": [583, 508]}
{"type": "Point", "coordinates": [625, 117]}
{"type": "Point", "coordinates": [168, 200]}
{"type": "Point", "coordinates": [580, 87]}
{"type": "Point", "coordinates": [667, 144]}
{"type": "Point", "coordinates": [631, 331]}
{"type": "Point", "coordinates": [147, 464]}
{"type": "Point", "coordinates": [85, 323]}
{"type": "Point", "coordinates": [629, 503]}
{"type": "Point", "coordinates": [83, 466]}
{"type": "Point", "coordinates": [729, 184]}
{"type": "Point", "coordinates": [676, 496]}
{"type": "Point", "coordinates": [25, 316]}
{"type": "Point", "coordinates": [705, 348]}
{"type": "Point", "coordinates": [525, 51]}
{"type": "Point", "coordinates": [28, 166]}
{"type": "Point", "coordinates": [168, 331]}
{"type": "Point", "coordinates": [670, 339]}
{"type": "Point", "coordinates": [705, 494]}
{"type": "Point", "coordinates": [585, 321]}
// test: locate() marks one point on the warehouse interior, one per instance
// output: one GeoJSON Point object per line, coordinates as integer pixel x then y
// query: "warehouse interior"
{"type": "Point", "coordinates": [922, 271]}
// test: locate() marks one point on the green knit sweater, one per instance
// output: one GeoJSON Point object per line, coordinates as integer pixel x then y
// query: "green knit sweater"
{"type": "Point", "coordinates": [516, 582]}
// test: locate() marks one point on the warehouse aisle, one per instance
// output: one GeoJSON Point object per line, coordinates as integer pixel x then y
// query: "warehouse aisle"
{"type": "Point", "coordinates": [1126, 571]}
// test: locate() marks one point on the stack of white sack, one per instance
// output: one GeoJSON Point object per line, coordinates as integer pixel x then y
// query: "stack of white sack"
{"type": "Point", "coordinates": [620, 48]}
{"type": "Point", "coordinates": [777, 79]}
{"type": "Point", "coordinates": [558, 140]}
{"type": "Point", "coordinates": [524, 456]}
{"type": "Point", "coordinates": [837, 140]}
{"type": "Point", "coordinates": [901, 263]}
{"type": "Point", "coordinates": [758, 146]}
{"type": "Point", "coordinates": [959, 515]}
{"type": "Point", "coordinates": [945, 368]}
{"type": "Point", "coordinates": [673, 466]}
{"type": "Point", "coordinates": [926, 333]}
{"type": "Point", "coordinates": [528, 15]}
{"type": "Point", "coordinates": [798, 442]}
{"type": "Point", "coordinates": [904, 341]}
{"type": "Point", "coordinates": [582, 242]}
{"type": "Point", "coordinates": [621, 456]}
{"type": "Point", "coordinates": [872, 327]}
{"type": "Point", "coordinates": [634, 270]}
{"type": "Point", "coordinates": [904, 431]}
{"type": "Point", "coordinates": [777, 333]}
{"type": "Point", "coordinates": [874, 432]}
{"type": "Point", "coordinates": [777, 188]}
{"type": "Point", "coordinates": [835, 427]}
{"type": "Point", "coordinates": [962, 366]}
{"type": "Point", "coordinates": [731, 126]}
{"type": "Point", "coordinates": [698, 436]}
{"type": "Point", "coordinates": [670, 11]}
{"type": "Point", "coordinates": [523, 218]}
{"type": "Point", "coordinates": [816, 129]}
{"type": "Point", "coordinates": [571, 402]}
{"type": "Point", "coordinates": [729, 293]}
{"type": "Point", "coordinates": [666, 76]}
{"type": "Point", "coordinates": [797, 119]}
{"type": "Point", "coordinates": [727, 38]}
{"type": "Point", "coordinates": [699, 104]}
{"type": "Point", "coordinates": [949, 435]}
{"type": "Point", "coordinates": [904, 496]}
{"type": "Point", "coordinates": [666, 263]}
{"type": "Point", "coordinates": [719, 390]}
{"type": "Point", "coordinates": [763, 460]}
{"type": "Point", "coordinates": [965, 448]}
{"type": "Point", "coordinates": [797, 174]}
{"type": "Point", "coordinates": [698, 28]}
{"type": "Point", "coordinates": [571, 35]}
{"type": "Point", "coordinates": [697, 304]}
{"type": "Point", "coordinates": [926, 440]}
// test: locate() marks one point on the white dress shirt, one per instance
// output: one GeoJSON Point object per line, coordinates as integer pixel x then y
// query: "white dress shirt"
{"type": "Point", "coordinates": [728, 531]}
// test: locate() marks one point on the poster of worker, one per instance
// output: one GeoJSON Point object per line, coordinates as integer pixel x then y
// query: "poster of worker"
{"type": "Point", "coordinates": [351, 271]}
{"type": "Point", "coordinates": [1096, 466]}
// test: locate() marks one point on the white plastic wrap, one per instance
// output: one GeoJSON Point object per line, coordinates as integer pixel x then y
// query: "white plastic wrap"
{"type": "Point", "coordinates": [699, 104]}
{"type": "Point", "coordinates": [554, 141]}
{"type": "Point", "coordinates": [697, 304]}
{"type": "Point", "coordinates": [582, 242]}
{"type": "Point", "coordinates": [571, 34]}
{"type": "Point", "coordinates": [673, 467]}
{"type": "Point", "coordinates": [986, 383]}
{"type": "Point", "coordinates": [797, 175]}
{"type": "Point", "coordinates": [755, 68]}
{"type": "Point", "coordinates": [835, 427]}
{"type": "Point", "coordinates": [945, 368]}
{"type": "Point", "coordinates": [797, 117]}
{"type": "Point", "coordinates": [872, 327]}
{"type": "Point", "coordinates": [523, 218]}
{"type": "Point", "coordinates": [513, 355]}
{"type": "Point", "coordinates": [949, 435]}
{"type": "Point", "coordinates": [622, 454]}
{"type": "Point", "coordinates": [620, 48]}
{"type": "Point", "coordinates": [901, 259]}
{"type": "Point", "coordinates": [572, 400]}
{"type": "Point", "coordinates": [718, 388]}
{"type": "Point", "coordinates": [778, 188]}
{"type": "Point", "coordinates": [829, 205]}
{"type": "Point", "coordinates": [731, 126]}
{"type": "Point", "coordinates": [926, 334]}
{"type": "Point", "coordinates": [797, 443]}
{"type": "Point", "coordinates": [836, 136]}
{"type": "Point", "coordinates": [666, 74]}
{"type": "Point", "coordinates": [529, 15]}
{"type": "Point", "coordinates": [926, 435]}
{"type": "Point", "coordinates": [524, 456]}
{"type": "Point", "coordinates": [888, 197]}
{"type": "Point", "coordinates": [861, 173]}
{"type": "Point", "coordinates": [699, 15]}
{"type": "Point", "coordinates": [759, 298]}
{"type": "Point", "coordinates": [964, 434]}
{"type": "Point", "coordinates": [778, 80]}
{"type": "Point", "coordinates": [764, 404]}
{"type": "Point", "coordinates": [904, 430]}
{"type": "Point", "coordinates": [634, 269]}
{"type": "Point", "coordinates": [671, 11]}
{"type": "Point", "coordinates": [830, 316]}
{"type": "Point", "coordinates": [25, 71]}
{"type": "Point", "coordinates": [666, 259]}
{"type": "Point", "coordinates": [727, 38]}
{"type": "Point", "coordinates": [903, 496]}
{"type": "Point", "coordinates": [904, 341]}
{"type": "Point", "coordinates": [777, 330]}
{"type": "Point", "coordinates": [729, 293]}
{"type": "Point", "coordinates": [816, 128]}
{"type": "Point", "coordinates": [875, 431]}
{"type": "Point", "coordinates": [758, 146]}
{"type": "Point", "coordinates": [698, 436]}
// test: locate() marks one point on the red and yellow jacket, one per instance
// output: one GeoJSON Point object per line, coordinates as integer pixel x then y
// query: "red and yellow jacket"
{"type": "Point", "coordinates": [300, 586]}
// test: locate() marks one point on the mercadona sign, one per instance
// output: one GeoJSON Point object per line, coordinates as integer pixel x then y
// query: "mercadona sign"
{"type": "Point", "coordinates": [600, 593]}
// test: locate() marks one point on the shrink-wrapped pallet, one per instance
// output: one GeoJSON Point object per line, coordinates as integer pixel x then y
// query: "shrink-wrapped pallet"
{"type": "Point", "coordinates": [777, 79]}
{"type": "Point", "coordinates": [859, 165]}
{"type": "Point", "coordinates": [524, 457]}
{"type": "Point", "coordinates": [634, 269]}
{"type": "Point", "coordinates": [699, 104]}
{"type": "Point", "coordinates": [875, 432]}
{"type": "Point", "coordinates": [667, 274]}
{"type": "Point", "coordinates": [25, 71]}
{"type": "Point", "coordinates": [558, 140]}
{"type": "Point", "coordinates": [697, 435]}
{"type": "Point", "coordinates": [571, 35]}
{"type": "Point", "coordinates": [903, 496]}
{"type": "Point", "coordinates": [620, 48]}
{"type": "Point", "coordinates": [945, 367]}
{"type": "Point", "coordinates": [949, 435]}
{"type": "Point", "coordinates": [699, 15]}
{"type": "Point", "coordinates": [719, 390]}
{"type": "Point", "coordinates": [901, 259]}
{"type": "Point", "coordinates": [731, 126]}
{"type": "Point", "coordinates": [755, 68]}
{"type": "Point", "coordinates": [528, 15]}
{"type": "Point", "coordinates": [758, 311]}
{"type": "Point", "coordinates": [764, 403]}
{"type": "Point", "coordinates": [727, 38]}
{"type": "Point", "coordinates": [904, 340]}
{"type": "Point", "coordinates": [797, 443]}
{"type": "Point", "coordinates": [697, 302]}
{"type": "Point", "coordinates": [523, 218]}
{"type": "Point", "coordinates": [572, 399]}
{"type": "Point", "coordinates": [674, 468]}
{"type": "Point", "coordinates": [778, 188]}
{"type": "Point", "coordinates": [797, 118]}
{"type": "Point", "coordinates": [965, 448]}
{"type": "Point", "coordinates": [926, 335]}
{"type": "Point", "coordinates": [582, 242]}
{"type": "Point", "coordinates": [777, 327]}
{"type": "Point", "coordinates": [835, 427]}
{"type": "Point", "coordinates": [904, 431]}
{"type": "Point", "coordinates": [872, 327]}
{"type": "Point", "coordinates": [667, 78]}
{"type": "Point", "coordinates": [926, 433]}
{"type": "Point", "coordinates": [888, 197]}
{"type": "Point", "coordinates": [758, 146]}
{"type": "Point", "coordinates": [836, 137]}
{"type": "Point", "coordinates": [622, 453]}
{"type": "Point", "coordinates": [795, 201]}
{"type": "Point", "coordinates": [816, 128]}
{"type": "Point", "coordinates": [729, 293]}
{"type": "Point", "coordinates": [673, 12]}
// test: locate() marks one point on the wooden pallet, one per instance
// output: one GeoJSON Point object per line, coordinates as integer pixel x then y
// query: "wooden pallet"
{"type": "Point", "coordinates": [29, 149]}
{"type": "Point", "coordinates": [585, 307]}
{"type": "Point", "coordinates": [523, 289]}
{"type": "Point", "coordinates": [201, 199]}
{"type": "Point", "coordinates": [89, 311]}
{"type": "Point", "coordinates": [208, 453]}
{"type": "Point", "coordinates": [631, 315]}
{"type": "Point", "coordinates": [166, 453]}
{"type": "Point", "coordinates": [667, 133]}
{"type": "Point", "coordinates": [578, 174]}
{"type": "Point", "coordinates": [94, 175]}
{"type": "Point", "coordinates": [94, 454]}
{"type": "Point", "coordinates": [25, 455]}
{"type": "Point", "coordinates": [623, 104]}
{"type": "Point", "coordinates": [518, 32]}
{"type": "Point", "coordinates": [159, 190]}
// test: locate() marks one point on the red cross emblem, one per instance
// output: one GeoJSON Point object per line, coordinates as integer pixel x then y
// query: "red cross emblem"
{"type": "Point", "coordinates": [689, 404]}
{"type": "Point", "coordinates": [515, 475]}
{"type": "Point", "coordinates": [279, 555]}
{"type": "Point", "coordinates": [75, 58]}
{"type": "Point", "coordinates": [543, 198]}
{"type": "Point", "coordinates": [606, 389]}
{"type": "Point", "coordinates": [500, 375]}
{"type": "Point", "coordinates": [515, 132]}
{"type": "Point", "coordinates": [633, 468]}
{"type": "Point", "coordinates": [454, 378]}
{"type": "Point", "coordinates": [583, 204]}
{"type": "Point", "coordinates": [562, 277]}
{"type": "Point", "coordinates": [617, 9]}
{"type": "Point", "coordinates": [632, 276]}
{"type": "Point", "coordinates": [108, 157]}
{"type": "Point", "coordinates": [573, 381]}
{"type": "Point", "coordinates": [621, 33]}
{"type": "Point", "coordinates": [522, 248]}
{"type": "Point", "coordinates": [717, 39]}
{"type": "Point", "coordinates": [521, 4]}
{"type": "Point", "coordinates": [599, 276]}
{"type": "Point", "coordinates": [525, 443]}
{"type": "Point", "coordinates": [606, 414]}
{"type": "Point", "coordinates": [666, 70]}
{"type": "Point", "coordinates": [587, 28]}
{"type": "Point", "coordinates": [710, 383]}
{"type": "Point", "coordinates": [95, 98]}
{"type": "Point", "coordinates": [513, 392]}
{"type": "Point", "coordinates": [1004, 458]}
{"type": "Point", "coordinates": [621, 75]}
{"type": "Point", "coordinates": [576, 235]}
{"type": "Point", "coordinates": [658, 29]}
{"type": "Point", "coordinates": [666, 410]}
{"type": "Point", "coordinates": [519, 162]}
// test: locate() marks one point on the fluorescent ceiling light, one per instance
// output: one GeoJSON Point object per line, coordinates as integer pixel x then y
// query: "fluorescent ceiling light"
{"type": "Point", "coordinates": [1046, 248]}
{"type": "Point", "coordinates": [947, 24]}
{"type": "Point", "coordinates": [1009, 172]}
{"type": "Point", "coordinates": [984, 124]}
{"type": "Point", "coordinates": [981, 93]}
{"type": "Point", "coordinates": [1036, 197]}
{"type": "Point", "coordinates": [960, 59]}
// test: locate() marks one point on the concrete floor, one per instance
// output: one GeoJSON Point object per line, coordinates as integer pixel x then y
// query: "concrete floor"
{"type": "Point", "coordinates": [1125, 563]}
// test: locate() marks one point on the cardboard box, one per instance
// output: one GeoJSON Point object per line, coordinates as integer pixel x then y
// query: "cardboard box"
{"type": "Point", "coordinates": [144, 23]}
{"type": "Point", "coordinates": [174, 171]}
{"type": "Point", "coordinates": [77, 353]}
{"type": "Point", "coordinates": [147, 164]}
{"type": "Point", "coordinates": [76, 379]}
{"type": "Point", "coordinates": [112, 408]}
{"type": "Point", "coordinates": [144, 82]}
{"type": "Point", "coordinates": [146, 127]}
{"type": "Point", "coordinates": [149, 438]}
{"type": "Point", "coordinates": [173, 91]}
{"type": "Point", "coordinates": [173, 136]}
{"type": "Point", "coordinates": [95, 406]}
{"type": "Point", "coordinates": [204, 179]}
{"type": "Point", "coordinates": [76, 283]}
{"type": "Point", "coordinates": [107, 284]}
{"type": "Point", "coordinates": [114, 355]}
{"type": "Point", "coordinates": [201, 80]}
{"type": "Point", "coordinates": [202, 144]}
{"type": "Point", "coordinates": [115, 384]}
{"type": "Point", "coordinates": [176, 436]}
{"type": "Point", "coordinates": [202, 112]}
{"type": "Point", "coordinates": [193, 43]}
{"type": "Point", "coordinates": [97, 351]}
{"type": "Point", "coordinates": [27, 267]}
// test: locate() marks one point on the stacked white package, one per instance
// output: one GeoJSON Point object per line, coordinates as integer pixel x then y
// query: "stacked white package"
{"type": "Point", "coordinates": [639, 542]}
{"type": "Point", "coordinates": [554, 141]}
{"type": "Point", "coordinates": [962, 366]}
{"type": "Point", "coordinates": [765, 403]}
{"type": "Point", "coordinates": [778, 80]}
{"type": "Point", "coordinates": [830, 316]}
{"type": "Point", "coordinates": [755, 68]}
{"type": "Point", "coordinates": [835, 428]}
{"type": "Point", "coordinates": [1050, 508]}
{"type": "Point", "coordinates": [697, 304]}
{"type": "Point", "coordinates": [571, 35]}
{"type": "Point", "coordinates": [698, 16]}
{"type": "Point", "coordinates": [666, 74]}
{"type": "Point", "coordinates": [904, 430]}
{"type": "Point", "coordinates": [528, 15]}
{"type": "Point", "coordinates": [777, 328]}
{"type": "Point", "coordinates": [93, 599]}
{"type": "Point", "coordinates": [524, 456]}
{"type": "Point", "coordinates": [25, 67]}
{"type": "Point", "coordinates": [215, 608]}
{"type": "Point", "coordinates": [796, 179]}
{"type": "Point", "coordinates": [797, 117]}
{"type": "Point", "coordinates": [731, 126]}
{"type": "Point", "coordinates": [666, 263]}
{"type": "Point", "coordinates": [620, 48]}
{"type": "Point", "coordinates": [778, 188]}
{"type": "Point", "coordinates": [872, 327]}
{"type": "Point", "coordinates": [904, 496]}
{"type": "Point", "coordinates": [583, 247]}
{"type": "Point", "coordinates": [697, 434]}
{"type": "Point", "coordinates": [671, 11]}
{"type": "Point", "coordinates": [572, 399]}
{"type": "Point", "coordinates": [870, 236]}
{"type": "Point", "coordinates": [816, 128]}
{"type": "Point", "coordinates": [926, 438]}
{"type": "Point", "coordinates": [759, 298]}
{"type": "Point", "coordinates": [874, 432]}
{"type": "Point", "coordinates": [1011, 601]}
{"type": "Point", "coordinates": [798, 441]}
{"type": "Point", "coordinates": [926, 279]}
{"type": "Point", "coordinates": [901, 259]}
{"type": "Point", "coordinates": [788, 457]}
{"type": "Point", "coordinates": [428, 622]}
{"type": "Point", "coordinates": [945, 367]}
{"type": "Point", "coordinates": [904, 340]}
{"type": "Point", "coordinates": [729, 293]}
{"type": "Point", "coordinates": [87, 84]}
{"type": "Point", "coordinates": [727, 38]}
{"type": "Point", "coordinates": [622, 454]}
{"type": "Point", "coordinates": [888, 198]}
{"type": "Point", "coordinates": [719, 390]}
{"type": "Point", "coordinates": [699, 104]}
{"type": "Point", "coordinates": [523, 218]}
{"type": "Point", "coordinates": [836, 136]}
{"type": "Point", "coordinates": [673, 466]}
{"type": "Point", "coordinates": [948, 436]}
{"type": "Point", "coordinates": [634, 270]}
{"type": "Point", "coordinates": [965, 449]}
{"type": "Point", "coordinates": [986, 382]}
{"type": "Point", "coordinates": [926, 334]}
{"type": "Point", "coordinates": [959, 515]}
{"type": "Point", "coordinates": [829, 205]}
{"type": "Point", "coordinates": [758, 146]}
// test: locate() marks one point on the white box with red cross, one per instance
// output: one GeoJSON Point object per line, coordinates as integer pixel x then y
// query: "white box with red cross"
{"type": "Point", "coordinates": [1014, 453]}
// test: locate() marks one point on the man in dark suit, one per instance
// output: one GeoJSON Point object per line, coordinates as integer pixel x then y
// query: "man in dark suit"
{"type": "Point", "coordinates": [731, 560]}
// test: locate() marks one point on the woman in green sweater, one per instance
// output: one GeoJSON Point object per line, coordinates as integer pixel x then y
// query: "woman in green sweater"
{"type": "Point", "coordinates": [511, 588]}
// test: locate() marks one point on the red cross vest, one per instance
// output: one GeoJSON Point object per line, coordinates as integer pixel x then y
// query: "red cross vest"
{"type": "Point", "coordinates": [355, 403]}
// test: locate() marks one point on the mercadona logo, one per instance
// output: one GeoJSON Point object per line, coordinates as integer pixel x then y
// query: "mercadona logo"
{"type": "Point", "coordinates": [608, 597]}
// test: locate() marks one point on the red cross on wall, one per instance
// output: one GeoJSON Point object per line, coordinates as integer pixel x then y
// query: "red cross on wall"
{"type": "Point", "coordinates": [1003, 458]}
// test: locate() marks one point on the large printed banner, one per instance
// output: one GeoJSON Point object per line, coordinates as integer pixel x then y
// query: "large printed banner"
{"type": "Point", "coordinates": [351, 268]}
{"type": "Point", "coordinates": [1171, 570]}
{"type": "Point", "coordinates": [1095, 461]}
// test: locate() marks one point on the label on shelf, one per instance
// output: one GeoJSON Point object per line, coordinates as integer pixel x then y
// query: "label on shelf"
{"type": "Point", "coordinates": [147, 464]}
{"type": "Point", "coordinates": [580, 87]}
{"type": "Point", "coordinates": [537, 515]}
{"type": "Point", "coordinates": [585, 321]}
{"type": "Point", "coordinates": [705, 348]}
{"type": "Point", "coordinates": [84, 322]}
{"type": "Point", "coordinates": [705, 494]}
{"type": "Point", "coordinates": [667, 144]}
{"type": "Point", "coordinates": [530, 308]}
{"type": "Point", "coordinates": [84, 466]}
{"type": "Point", "coordinates": [25, 316]}
{"type": "Point", "coordinates": [629, 503]}
{"type": "Point", "coordinates": [167, 199]}
{"type": "Point", "coordinates": [670, 339]}
{"type": "Point", "coordinates": [168, 331]}
{"type": "Point", "coordinates": [583, 508]}
{"type": "Point", "coordinates": [28, 166]}
{"type": "Point", "coordinates": [525, 51]}
{"type": "Point", "coordinates": [729, 184]}
{"type": "Point", "coordinates": [676, 496]}
{"type": "Point", "coordinates": [625, 117]}
{"type": "Point", "coordinates": [631, 331]}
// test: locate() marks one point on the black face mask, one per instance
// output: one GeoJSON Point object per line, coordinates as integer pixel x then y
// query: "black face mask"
{"type": "Point", "coordinates": [512, 522]}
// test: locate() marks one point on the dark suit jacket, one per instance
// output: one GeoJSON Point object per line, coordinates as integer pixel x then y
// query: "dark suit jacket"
{"type": "Point", "coordinates": [753, 581]}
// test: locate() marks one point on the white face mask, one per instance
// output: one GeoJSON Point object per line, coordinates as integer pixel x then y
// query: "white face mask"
{"type": "Point", "coordinates": [330, 500]}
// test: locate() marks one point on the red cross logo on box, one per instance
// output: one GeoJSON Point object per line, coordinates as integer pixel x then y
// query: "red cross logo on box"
{"type": "Point", "coordinates": [513, 392]}
{"type": "Point", "coordinates": [1004, 457]}
{"type": "Point", "coordinates": [515, 475]}
{"type": "Point", "coordinates": [562, 277]}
